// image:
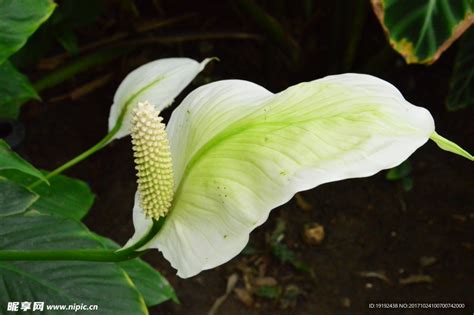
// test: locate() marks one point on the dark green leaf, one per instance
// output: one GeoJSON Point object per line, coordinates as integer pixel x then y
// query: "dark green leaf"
{"type": "Point", "coordinates": [407, 183]}
{"type": "Point", "coordinates": [461, 90]}
{"type": "Point", "coordinates": [269, 292]}
{"type": "Point", "coordinates": [421, 30]}
{"type": "Point", "coordinates": [151, 284]}
{"type": "Point", "coordinates": [10, 160]}
{"type": "Point", "coordinates": [18, 20]}
{"type": "Point", "coordinates": [399, 172]}
{"type": "Point", "coordinates": [68, 40]}
{"type": "Point", "coordinates": [14, 198]}
{"type": "Point", "coordinates": [15, 90]}
{"type": "Point", "coordinates": [73, 13]}
{"type": "Point", "coordinates": [271, 27]}
{"type": "Point", "coordinates": [154, 288]}
{"type": "Point", "coordinates": [61, 282]}
{"type": "Point", "coordinates": [65, 196]}
{"type": "Point", "coordinates": [282, 252]}
{"type": "Point", "coordinates": [70, 15]}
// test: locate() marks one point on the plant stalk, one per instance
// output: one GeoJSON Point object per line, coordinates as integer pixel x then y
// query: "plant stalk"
{"type": "Point", "coordinates": [99, 255]}
{"type": "Point", "coordinates": [99, 145]}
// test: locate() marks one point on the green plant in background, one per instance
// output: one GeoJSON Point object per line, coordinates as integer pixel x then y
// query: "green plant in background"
{"type": "Point", "coordinates": [18, 20]}
{"type": "Point", "coordinates": [422, 30]}
{"type": "Point", "coordinates": [282, 252]}
{"type": "Point", "coordinates": [462, 80]}
{"type": "Point", "coordinates": [402, 174]}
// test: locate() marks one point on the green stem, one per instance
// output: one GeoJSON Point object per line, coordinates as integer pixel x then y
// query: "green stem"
{"type": "Point", "coordinates": [99, 145]}
{"type": "Point", "coordinates": [103, 255]}
{"type": "Point", "coordinates": [71, 254]}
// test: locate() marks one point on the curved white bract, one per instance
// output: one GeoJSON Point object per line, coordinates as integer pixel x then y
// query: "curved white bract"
{"type": "Point", "coordinates": [239, 151]}
{"type": "Point", "coordinates": [158, 82]}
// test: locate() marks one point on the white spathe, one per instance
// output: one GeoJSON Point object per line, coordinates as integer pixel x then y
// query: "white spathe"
{"type": "Point", "coordinates": [240, 151]}
{"type": "Point", "coordinates": [158, 82]}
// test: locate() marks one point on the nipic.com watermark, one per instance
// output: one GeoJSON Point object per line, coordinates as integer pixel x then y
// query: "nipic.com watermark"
{"type": "Point", "coordinates": [39, 306]}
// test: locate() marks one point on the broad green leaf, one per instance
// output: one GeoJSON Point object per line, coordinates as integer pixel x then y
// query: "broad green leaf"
{"type": "Point", "coordinates": [10, 160]}
{"type": "Point", "coordinates": [14, 198]}
{"type": "Point", "coordinates": [461, 89]}
{"type": "Point", "coordinates": [64, 196]}
{"type": "Point", "coordinates": [18, 20]}
{"type": "Point", "coordinates": [15, 90]}
{"type": "Point", "coordinates": [61, 282]}
{"type": "Point", "coordinates": [151, 284]}
{"type": "Point", "coordinates": [240, 151]}
{"type": "Point", "coordinates": [70, 15]}
{"type": "Point", "coordinates": [158, 82]}
{"type": "Point", "coordinates": [154, 288]}
{"type": "Point", "coordinates": [422, 30]}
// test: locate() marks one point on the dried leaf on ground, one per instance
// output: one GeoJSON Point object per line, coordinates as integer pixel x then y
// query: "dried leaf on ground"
{"type": "Point", "coordinates": [313, 233]}
{"type": "Point", "coordinates": [375, 275]}
{"type": "Point", "coordinates": [244, 296]}
{"type": "Point", "coordinates": [302, 203]}
{"type": "Point", "coordinates": [413, 279]}
{"type": "Point", "coordinates": [231, 282]}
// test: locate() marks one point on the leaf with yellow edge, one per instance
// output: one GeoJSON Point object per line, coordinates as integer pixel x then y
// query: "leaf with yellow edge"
{"type": "Point", "coordinates": [422, 30]}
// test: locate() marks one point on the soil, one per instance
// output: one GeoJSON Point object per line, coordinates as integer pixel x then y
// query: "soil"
{"type": "Point", "coordinates": [377, 236]}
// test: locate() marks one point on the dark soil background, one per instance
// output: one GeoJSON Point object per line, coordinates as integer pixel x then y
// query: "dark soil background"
{"type": "Point", "coordinates": [377, 238]}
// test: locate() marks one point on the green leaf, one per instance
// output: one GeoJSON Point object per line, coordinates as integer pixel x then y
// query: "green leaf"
{"type": "Point", "coordinates": [421, 30]}
{"type": "Point", "coordinates": [61, 282]}
{"type": "Point", "coordinates": [64, 196]}
{"type": "Point", "coordinates": [68, 40]}
{"type": "Point", "coordinates": [268, 291]}
{"type": "Point", "coordinates": [15, 90]}
{"type": "Point", "coordinates": [271, 27]}
{"type": "Point", "coordinates": [461, 89]}
{"type": "Point", "coordinates": [70, 15]}
{"type": "Point", "coordinates": [151, 284]}
{"type": "Point", "coordinates": [10, 160]}
{"type": "Point", "coordinates": [399, 172]}
{"type": "Point", "coordinates": [407, 183]}
{"type": "Point", "coordinates": [18, 20]}
{"type": "Point", "coordinates": [14, 198]}
{"type": "Point", "coordinates": [154, 288]}
{"type": "Point", "coordinates": [75, 14]}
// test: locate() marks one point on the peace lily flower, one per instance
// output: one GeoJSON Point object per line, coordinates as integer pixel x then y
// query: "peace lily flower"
{"type": "Point", "coordinates": [233, 151]}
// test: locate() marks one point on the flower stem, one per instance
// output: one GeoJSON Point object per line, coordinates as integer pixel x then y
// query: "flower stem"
{"type": "Point", "coordinates": [103, 255]}
{"type": "Point", "coordinates": [71, 254]}
{"type": "Point", "coordinates": [99, 145]}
